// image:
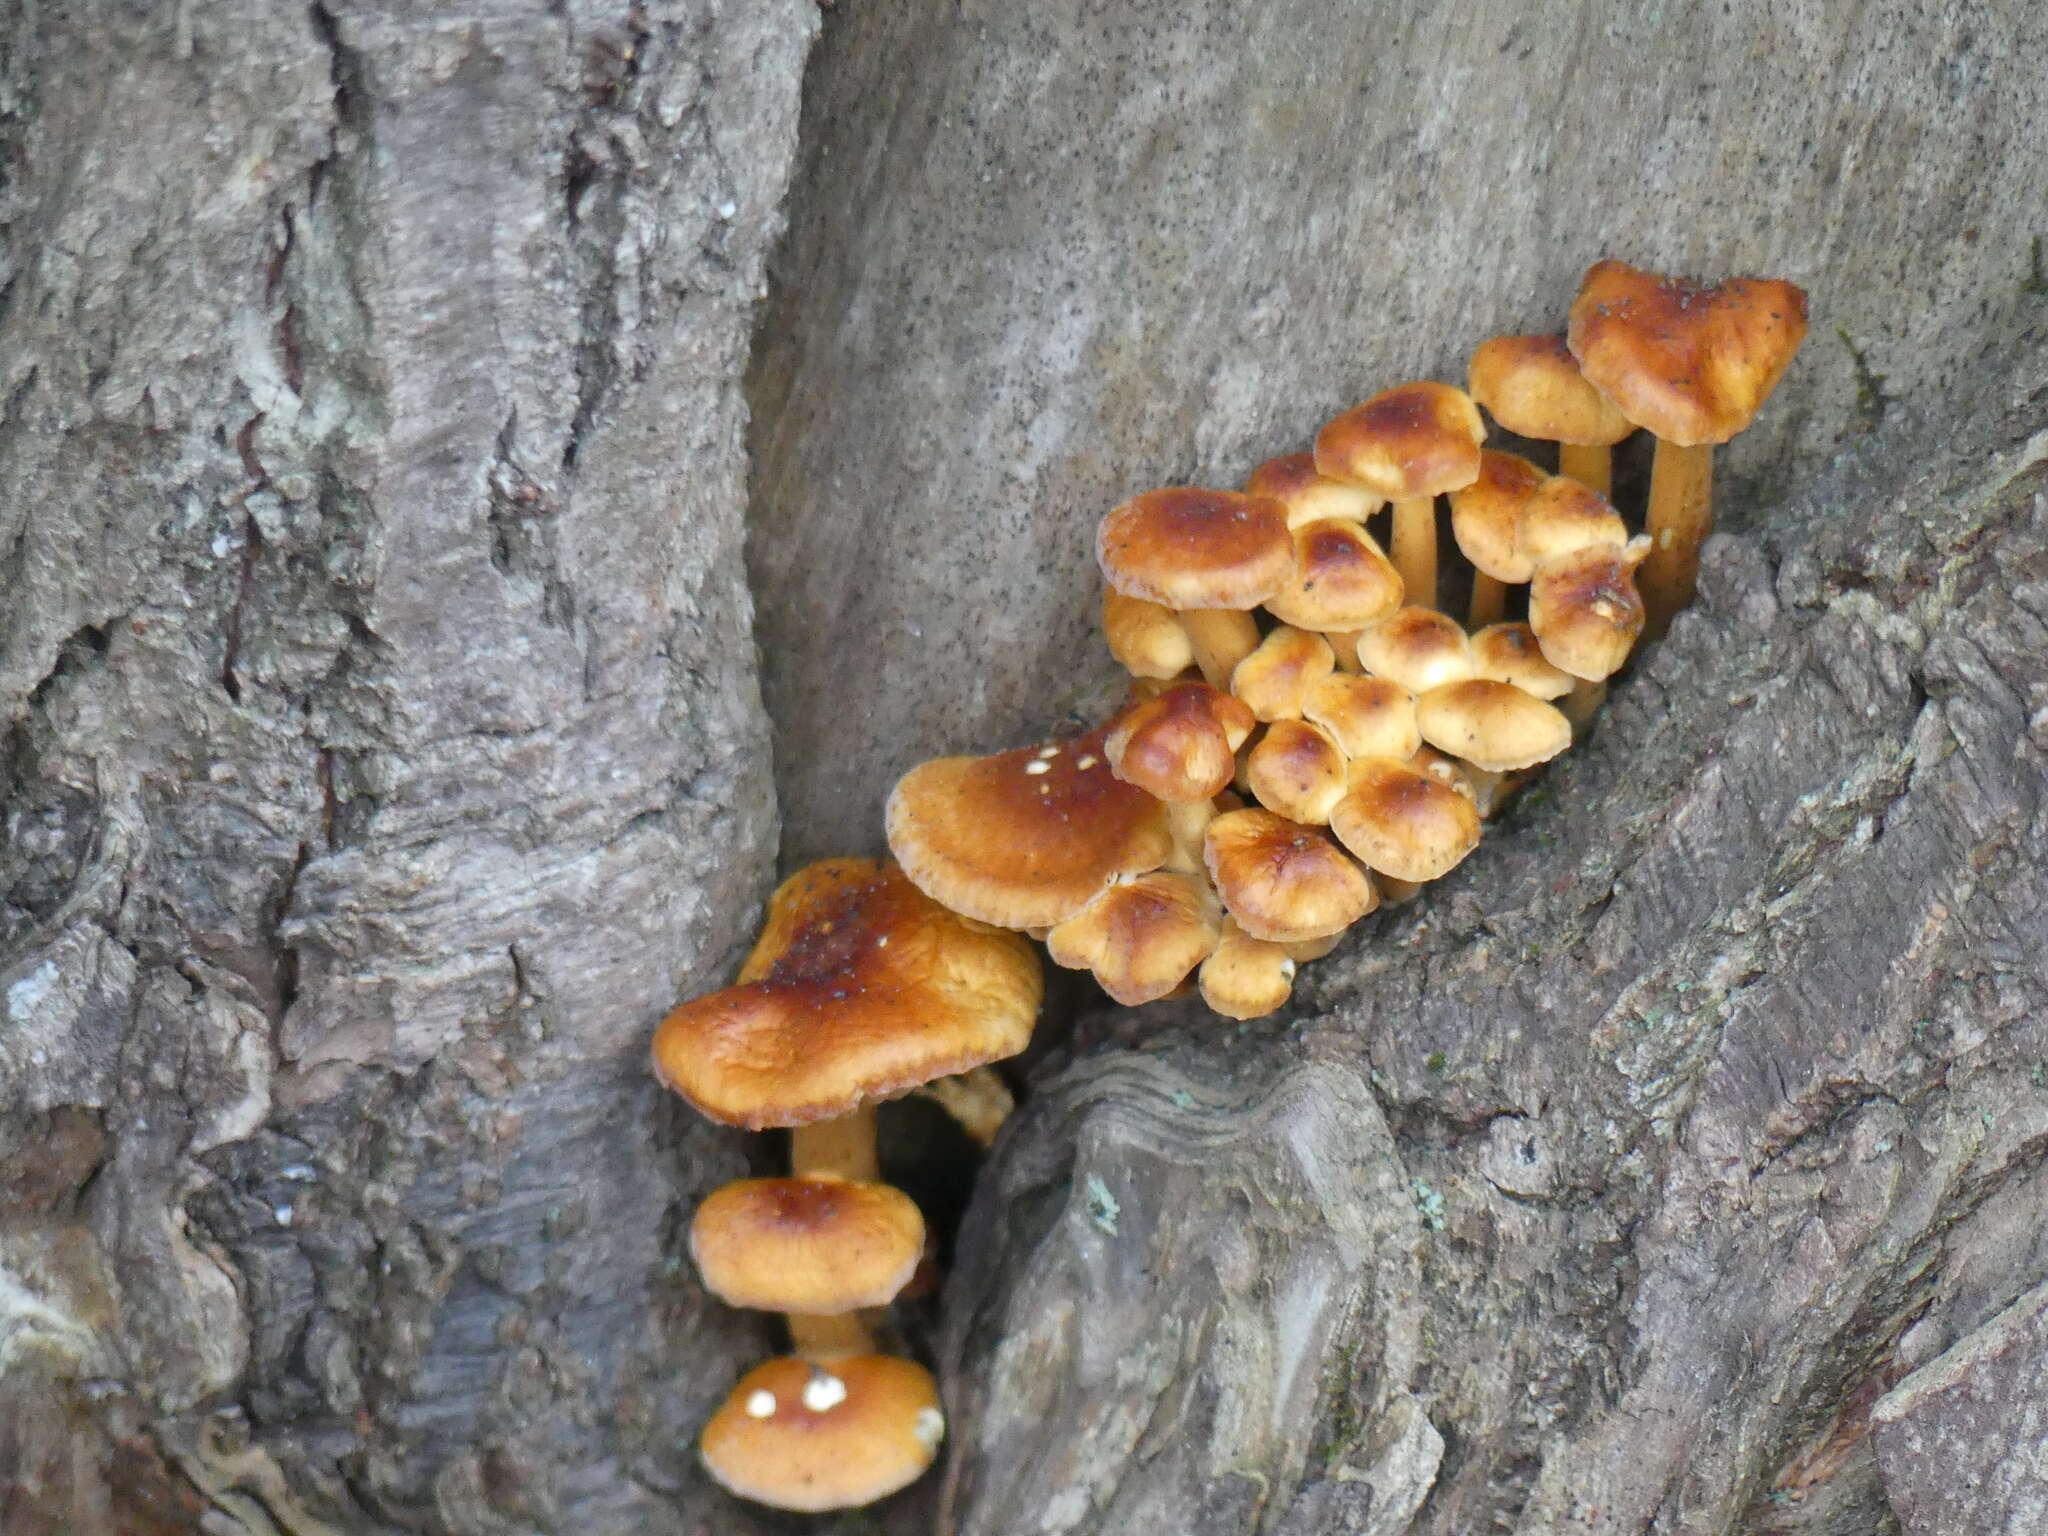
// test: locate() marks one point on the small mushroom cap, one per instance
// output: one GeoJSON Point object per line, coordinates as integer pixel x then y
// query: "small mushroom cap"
{"type": "Point", "coordinates": [1692, 362]}
{"type": "Point", "coordinates": [1182, 744]}
{"type": "Point", "coordinates": [1342, 579]}
{"type": "Point", "coordinates": [1585, 610]}
{"type": "Point", "coordinates": [1190, 548]}
{"type": "Point", "coordinates": [1563, 517]}
{"type": "Point", "coordinates": [1025, 838]}
{"type": "Point", "coordinates": [1297, 770]}
{"type": "Point", "coordinates": [1365, 716]}
{"type": "Point", "coordinates": [1510, 653]}
{"type": "Point", "coordinates": [1403, 822]}
{"type": "Point", "coordinates": [1532, 386]}
{"type": "Point", "coordinates": [1418, 648]}
{"type": "Point", "coordinates": [1284, 882]}
{"type": "Point", "coordinates": [811, 1245]}
{"type": "Point", "coordinates": [1487, 514]}
{"type": "Point", "coordinates": [1145, 638]}
{"type": "Point", "coordinates": [1141, 938]}
{"type": "Point", "coordinates": [1275, 678]}
{"type": "Point", "coordinates": [797, 1435]}
{"type": "Point", "coordinates": [1410, 441]}
{"type": "Point", "coordinates": [1309, 497]}
{"type": "Point", "coordinates": [1246, 978]}
{"type": "Point", "coordinates": [1494, 726]}
{"type": "Point", "coordinates": [860, 988]}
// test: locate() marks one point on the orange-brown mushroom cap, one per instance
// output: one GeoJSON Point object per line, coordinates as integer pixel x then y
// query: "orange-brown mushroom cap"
{"type": "Point", "coordinates": [1284, 882]}
{"type": "Point", "coordinates": [1365, 716]}
{"type": "Point", "coordinates": [1409, 441]}
{"type": "Point", "coordinates": [1403, 822]}
{"type": "Point", "coordinates": [1274, 679]}
{"type": "Point", "coordinates": [1511, 653]}
{"type": "Point", "coordinates": [810, 1437]}
{"type": "Point", "coordinates": [1564, 516]}
{"type": "Point", "coordinates": [1342, 579]}
{"type": "Point", "coordinates": [1297, 770]}
{"type": "Point", "coordinates": [1247, 978]}
{"type": "Point", "coordinates": [1309, 497]}
{"type": "Point", "coordinates": [811, 1245]}
{"type": "Point", "coordinates": [1418, 648]}
{"type": "Point", "coordinates": [1692, 362]}
{"type": "Point", "coordinates": [1189, 548]}
{"type": "Point", "coordinates": [1181, 744]}
{"type": "Point", "coordinates": [1532, 386]}
{"type": "Point", "coordinates": [1142, 937]}
{"type": "Point", "coordinates": [1025, 838]}
{"type": "Point", "coordinates": [861, 987]}
{"type": "Point", "coordinates": [1493, 726]}
{"type": "Point", "coordinates": [1487, 514]}
{"type": "Point", "coordinates": [1585, 611]}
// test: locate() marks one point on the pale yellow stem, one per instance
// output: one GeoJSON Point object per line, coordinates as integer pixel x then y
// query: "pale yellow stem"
{"type": "Point", "coordinates": [1222, 637]}
{"type": "Point", "coordinates": [824, 1338]}
{"type": "Point", "coordinates": [1583, 701]}
{"type": "Point", "coordinates": [1489, 600]}
{"type": "Point", "coordinates": [841, 1148]}
{"type": "Point", "coordinates": [1681, 515]}
{"type": "Point", "coordinates": [1591, 464]}
{"type": "Point", "coordinates": [978, 1100]}
{"type": "Point", "coordinates": [1414, 551]}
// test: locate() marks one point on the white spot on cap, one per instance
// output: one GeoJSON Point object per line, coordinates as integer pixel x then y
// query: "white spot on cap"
{"type": "Point", "coordinates": [1048, 751]}
{"type": "Point", "coordinates": [929, 1427]}
{"type": "Point", "coordinates": [1040, 766]}
{"type": "Point", "coordinates": [1085, 763]}
{"type": "Point", "coordinates": [882, 942]}
{"type": "Point", "coordinates": [823, 1391]}
{"type": "Point", "coordinates": [760, 1404]}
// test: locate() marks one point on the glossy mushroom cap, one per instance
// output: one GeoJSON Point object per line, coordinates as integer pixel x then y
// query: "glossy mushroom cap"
{"type": "Point", "coordinates": [1405, 823]}
{"type": "Point", "coordinates": [1410, 441]}
{"type": "Point", "coordinates": [861, 987]}
{"type": "Point", "coordinates": [1273, 681]}
{"type": "Point", "coordinates": [1418, 648]}
{"type": "Point", "coordinates": [816, 1437]}
{"type": "Point", "coordinates": [1298, 771]}
{"type": "Point", "coordinates": [1692, 362]}
{"type": "Point", "coordinates": [1309, 497]}
{"type": "Point", "coordinates": [1494, 726]}
{"type": "Point", "coordinates": [1145, 638]}
{"type": "Point", "coordinates": [1141, 938]}
{"type": "Point", "coordinates": [1563, 517]}
{"type": "Point", "coordinates": [1365, 716]}
{"type": "Point", "coordinates": [810, 1245]}
{"type": "Point", "coordinates": [1181, 744]}
{"type": "Point", "coordinates": [1026, 838]}
{"type": "Point", "coordinates": [1486, 515]}
{"type": "Point", "coordinates": [1585, 610]}
{"type": "Point", "coordinates": [1342, 579]}
{"type": "Point", "coordinates": [1189, 549]}
{"type": "Point", "coordinates": [1281, 881]}
{"type": "Point", "coordinates": [1532, 386]}
{"type": "Point", "coordinates": [1510, 653]}
{"type": "Point", "coordinates": [1246, 978]}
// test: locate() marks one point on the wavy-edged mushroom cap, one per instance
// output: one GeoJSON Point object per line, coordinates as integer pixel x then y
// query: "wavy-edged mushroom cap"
{"type": "Point", "coordinates": [1690, 361]}
{"type": "Point", "coordinates": [812, 1245]}
{"type": "Point", "coordinates": [1532, 386]}
{"type": "Point", "coordinates": [1418, 648]}
{"type": "Point", "coordinates": [1309, 497]}
{"type": "Point", "coordinates": [1487, 514]}
{"type": "Point", "coordinates": [1365, 716]}
{"type": "Point", "coordinates": [1145, 638]}
{"type": "Point", "coordinates": [1564, 517]}
{"type": "Point", "coordinates": [861, 987]}
{"type": "Point", "coordinates": [1409, 441]}
{"type": "Point", "coordinates": [1342, 579]}
{"type": "Point", "coordinates": [1585, 610]}
{"type": "Point", "coordinates": [1142, 937]}
{"type": "Point", "coordinates": [1510, 653]}
{"type": "Point", "coordinates": [1025, 838]}
{"type": "Point", "coordinates": [1296, 770]}
{"type": "Point", "coordinates": [1181, 744]}
{"type": "Point", "coordinates": [1403, 822]}
{"type": "Point", "coordinates": [1190, 548]}
{"type": "Point", "coordinates": [1494, 726]}
{"type": "Point", "coordinates": [1275, 678]}
{"type": "Point", "coordinates": [808, 1437]}
{"type": "Point", "coordinates": [1247, 978]}
{"type": "Point", "coordinates": [1284, 882]}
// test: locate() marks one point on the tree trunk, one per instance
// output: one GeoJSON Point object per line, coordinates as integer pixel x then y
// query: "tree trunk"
{"type": "Point", "coordinates": [384, 754]}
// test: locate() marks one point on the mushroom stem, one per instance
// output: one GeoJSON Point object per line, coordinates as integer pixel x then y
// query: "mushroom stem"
{"type": "Point", "coordinates": [1221, 637]}
{"type": "Point", "coordinates": [827, 1338]}
{"type": "Point", "coordinates": [1489, 600]}
{"type": "Point", "coordinates": [839, 1148]}
{"type": "Point", "coordinates": [1680, 516]}
{"type": "Point", "coordinates": [1414, 551]}
{"type": "Point", "coordinates": [1584, 701]}
{"type": "Point", "coordinates": [1591, 464]}
{"type": "Point", "coordinates": [979, 1102]}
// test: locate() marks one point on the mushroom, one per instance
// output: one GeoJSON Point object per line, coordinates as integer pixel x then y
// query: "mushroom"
{"type": "Point", "coordinates": [1409, 444]}
{"type": "Point", "coordinates": [1298, 770]}
{"type": "Point", "coordinates": [1284, 882]}
{"type": "Point", "coordinates": [1180, 745]}
{"type": "Point", "coordinates": [1142, 937]}
{"type": "Point", "coordinates": [1510, 653]}
{"type": "Point", "coordinates": [814, 1246]}
{"type": "Point", "coordinates": [1418, 648]}
{"type": "Point", "coordinates": [1403, 822]}
{"type": "Point", "coordinates": [1485, 517]}
{"type": "Point", "coordinates": [1309, 497]}
{"type": "Point", "coordinates": [1692, 363]}
{"type": "Point", "coordinates": [1493, 727]}
{"type": "Point", "coordinates": [1365, 716]}
{"type": "Point", "coordinates": [1276, 677]}
{"type": "Point", "coordinates": [1532, 386]}
{"type": "Point", "coordinates": [1341, 582]}
{"type": "Point", "coordinates": [1246, 978]}
{"type": "Point", "coordinates": [1146, 638]}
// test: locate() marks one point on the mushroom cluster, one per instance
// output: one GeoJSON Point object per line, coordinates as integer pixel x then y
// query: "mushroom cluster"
{"type": "Point", "coordinates": [1309, 735]}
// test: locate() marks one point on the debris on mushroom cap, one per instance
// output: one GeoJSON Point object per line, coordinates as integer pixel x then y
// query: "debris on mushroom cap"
{"type": "Point", "coordinates": [1532, 386]}
{"type": "Point", "coordinates": [1141, 938]}
{"type": "Point", "coordinates": [1493, 726]}
{"type": "Point", "coordinates": [1181, 745]}
{"type": "Point", "coordinates": [1365, 716]}
{"type": "Point", "coordinates": [1409, 441]}
{"type": "Point", "coordinates": [1297, 770]}
{"type": "Point", "coordinates": [1510, 653]}
{"type": "Point", "coordinates": [1342, 579]}
{"type": "Point", "coordinates": [1563, 517]}
{"type": "Point", "coordinates": [860, 988]}
{"type": "Point", "coordinates": [1189, 548]}
{"type": "Point", "coordinates": [1418, 648]}
{"type": "Point", "coordinates": [1309, 497]}
{"type": "Point", "coordinates": [1690, 361]}
{"type": "Point", "coordinates": [1585, 610]}
{"type": "Point", "coordinates": [1145, 638]}
{"type": "Point", "coordinates": [1026, 838]}
{"type": "Point", "coordinates": [833, 1437]}
{"type": "Point", "coordinates": [1486, 515]}
{"type": "Point", "coordinates": [1405, 823]}
{"type": "Point", "coordinates": [1246, 978]}
{"type": "Point", "coordinates": [1284, 882]}
{"type": "Point", "coordinates": [1275, 678]}
{"type": "Point", "coordinates": [814, 1245]}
